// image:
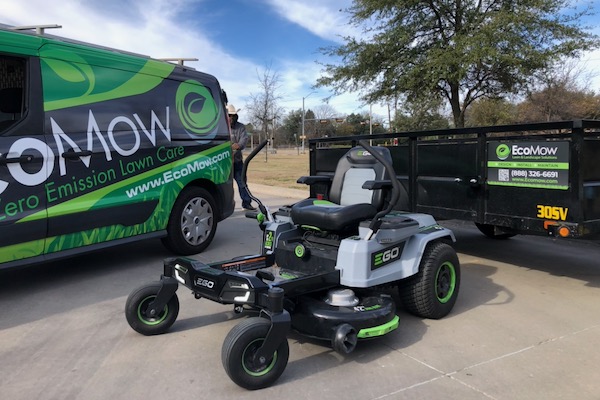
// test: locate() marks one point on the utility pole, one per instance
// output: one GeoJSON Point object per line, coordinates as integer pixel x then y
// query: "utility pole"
{"type": "Point", "coordinates": [303, 133]}
{"type": "Point", "coordinates": [370, 123]}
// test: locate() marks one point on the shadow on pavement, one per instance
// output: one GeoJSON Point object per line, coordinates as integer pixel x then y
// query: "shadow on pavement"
{"type": "Point", "coordinates": [577, 259]}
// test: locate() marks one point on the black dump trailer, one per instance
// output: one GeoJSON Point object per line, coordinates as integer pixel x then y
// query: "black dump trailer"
{"type": "Point", "coordinates": [536, 179]}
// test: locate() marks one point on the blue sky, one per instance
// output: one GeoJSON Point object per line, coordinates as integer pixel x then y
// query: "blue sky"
{"type": "Point", "coordinates": [233, 39]}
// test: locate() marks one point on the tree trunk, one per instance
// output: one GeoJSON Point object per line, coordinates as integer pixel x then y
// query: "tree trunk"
{"type": "Point", "coordinates": [457, 113]}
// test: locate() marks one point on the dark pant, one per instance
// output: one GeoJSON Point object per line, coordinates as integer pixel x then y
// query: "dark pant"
{"type": "Point", "coordinates": [237, 175]}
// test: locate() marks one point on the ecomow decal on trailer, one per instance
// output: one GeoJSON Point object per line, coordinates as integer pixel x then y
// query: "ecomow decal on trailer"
{"type": "Point", "coordinates": [99, 147]}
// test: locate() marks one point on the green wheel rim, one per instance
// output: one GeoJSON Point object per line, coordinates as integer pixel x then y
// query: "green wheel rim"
{"type": "Point", "coordinates": [252, 368]}
{"type": "Point", "coordinates": [445, 282]}
{"type": "Point", "coordinates": [147, 320]}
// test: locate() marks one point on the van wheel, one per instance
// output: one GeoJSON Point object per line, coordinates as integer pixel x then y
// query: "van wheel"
{"type": "Point", "coordinates": [193, 223]}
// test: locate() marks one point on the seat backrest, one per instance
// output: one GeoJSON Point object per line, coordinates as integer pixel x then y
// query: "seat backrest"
{"type": "Point", "coordinates": [355, 168]}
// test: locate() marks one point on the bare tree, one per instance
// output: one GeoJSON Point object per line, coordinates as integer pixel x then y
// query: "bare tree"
{"type": "Point", "coordinates": [325, 111]}
{"type": "Point", "coordinates": [262, 108]}
{"type": "Point", "coordinates": [325, 114]}
{"type": "Point", "coordinates": [562, 93]}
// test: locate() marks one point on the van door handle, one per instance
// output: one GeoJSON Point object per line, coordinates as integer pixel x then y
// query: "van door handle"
{"type": "Point", "coordinates": [12, 160]}
{"type": "Point", "coordinates": [76, 154]}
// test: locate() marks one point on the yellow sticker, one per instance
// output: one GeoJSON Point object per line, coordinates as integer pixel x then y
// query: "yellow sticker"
{"type": "Point", "coordinates": [550, 212]}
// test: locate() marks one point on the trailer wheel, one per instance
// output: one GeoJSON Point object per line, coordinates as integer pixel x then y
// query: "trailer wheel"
{"type": "Point", "coordinates": [490, 231]}
{"type": "Point", "coordinates": [137, 305]}
{"type": "Point", "coordinates": [239, 349]}
{"type": "Point", "coordinates": [432, 292]}
{"type": "Point", "coordinates": [193, 223]}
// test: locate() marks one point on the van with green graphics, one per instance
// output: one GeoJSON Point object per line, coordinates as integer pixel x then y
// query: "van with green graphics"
{"type": "Point", "coordinates": [100, 147]}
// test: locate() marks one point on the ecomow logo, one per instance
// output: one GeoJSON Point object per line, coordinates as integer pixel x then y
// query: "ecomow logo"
{"type": "Point", "coordinates": [502, 152]}
{"type": "Point", "coordinates": [533, 150]}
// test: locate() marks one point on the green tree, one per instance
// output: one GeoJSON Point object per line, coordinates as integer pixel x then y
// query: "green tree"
{"type": "Point", "coordinates": [292, 125]}
{"type": "Point", "coordinates": [456, 50]}
{"type": "Point", "coordinates": [355, 124]}
{"type": "Point", "coordinates": [489, 112]}
{"type": "Point", "coordinates": [419, 115]}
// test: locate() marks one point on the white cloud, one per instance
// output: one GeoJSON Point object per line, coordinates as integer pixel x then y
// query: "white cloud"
{"type": "Point", "coordinates": [155, 28]}
{"type": "Point", "coordinates": [325, 19]}
{"type": "Point", "coordinates": [150, 28]}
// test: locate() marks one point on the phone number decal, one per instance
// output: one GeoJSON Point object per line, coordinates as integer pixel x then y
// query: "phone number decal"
{"type": "Point", "coordinates": [529, 164]}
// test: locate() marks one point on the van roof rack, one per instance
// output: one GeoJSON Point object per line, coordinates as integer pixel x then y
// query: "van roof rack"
{"type": "Point", "coordinates": [179, 60]}
{"type": "Point", "coordinates": [39, 29]}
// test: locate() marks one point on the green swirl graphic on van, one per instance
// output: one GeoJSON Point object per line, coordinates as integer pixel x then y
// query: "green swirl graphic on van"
{"type": "Point", "coordinates": [71, 79]}
{"type": "Point", "coordinates": [196, 108]}
{"type": "Point", "coordinates": [502, 152]}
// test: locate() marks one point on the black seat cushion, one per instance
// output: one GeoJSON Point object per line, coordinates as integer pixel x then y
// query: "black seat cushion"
{"type": "Point", "coordinates": [331, 217]}
{"type": "Point", "coordinates": [349, 203]}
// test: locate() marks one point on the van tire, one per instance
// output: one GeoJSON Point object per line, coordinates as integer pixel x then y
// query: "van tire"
{"type": "Point", "coordinates": [193, 222]}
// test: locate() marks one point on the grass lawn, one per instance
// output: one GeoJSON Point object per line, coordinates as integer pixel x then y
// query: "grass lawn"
{"type": "Point", "coordinates": [280, 169]}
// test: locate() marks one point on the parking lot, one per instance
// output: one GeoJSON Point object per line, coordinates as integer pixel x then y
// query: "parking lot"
{"type": "Point", "coordinates": [526, 326]}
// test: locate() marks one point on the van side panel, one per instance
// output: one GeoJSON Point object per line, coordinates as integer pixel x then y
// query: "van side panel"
{"type": "Point", "coordinates": [150, 131]}
{"type": "Point", "coordinates": [125, 135]}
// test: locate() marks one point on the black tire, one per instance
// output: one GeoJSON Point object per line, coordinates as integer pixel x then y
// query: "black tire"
{"type": "Point", "coordinates": [193, 222]}
{"type": "Point", "coordinates": [432, 292]}
{"type": "Point", "coordinates": [135, 311]}
{"type": "Point", "coordinates": [344, 339]}
{"type": "Point", "coordinates": [490, 231]}
{"type": "Point", "coordinates": [240, 345]}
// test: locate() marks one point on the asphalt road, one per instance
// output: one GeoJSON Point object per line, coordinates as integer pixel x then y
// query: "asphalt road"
{"type": "Point", "coordinates": [526, 326]}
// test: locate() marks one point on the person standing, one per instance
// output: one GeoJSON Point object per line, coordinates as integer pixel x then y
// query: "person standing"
{"type": "Point", "coordinates": [239, 138]}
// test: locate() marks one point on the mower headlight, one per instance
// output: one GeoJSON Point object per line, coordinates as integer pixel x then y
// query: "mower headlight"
{"type": "Point", "coordinates": [238, 285]}
{"type": "Point", "coordinates": [238, 292]}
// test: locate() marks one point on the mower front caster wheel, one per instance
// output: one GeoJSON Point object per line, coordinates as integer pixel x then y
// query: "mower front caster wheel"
{"type": "Point", "coordinates": [136, 311]}
{"type": "Point", "coordinates": [239, 348]}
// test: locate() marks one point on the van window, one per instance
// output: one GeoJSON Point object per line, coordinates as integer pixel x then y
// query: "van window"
{"type": "Point", "coordinates": [12, 86]}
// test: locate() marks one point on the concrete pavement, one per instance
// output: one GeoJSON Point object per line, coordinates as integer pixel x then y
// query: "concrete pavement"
{"type": "Point", "coordinates": [526, 326]}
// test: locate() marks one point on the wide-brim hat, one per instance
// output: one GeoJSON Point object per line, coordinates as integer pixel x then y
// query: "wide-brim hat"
{"type": "Point", "coordinates": [231, 110]}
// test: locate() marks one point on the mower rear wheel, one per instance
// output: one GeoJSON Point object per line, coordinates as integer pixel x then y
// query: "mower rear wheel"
{"type": "Point", "coordinates": [136, 310]}
{"type": "Point", "coordinates": [432, 292]}
{"type": "Point", "coordinates": [239, 349]}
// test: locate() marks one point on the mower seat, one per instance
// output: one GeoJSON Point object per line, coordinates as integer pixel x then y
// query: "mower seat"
{"type": "Point", "coordinates": [349, 203]}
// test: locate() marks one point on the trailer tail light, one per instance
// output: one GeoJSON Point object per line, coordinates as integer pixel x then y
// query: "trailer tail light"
{"type": "Point", "coordinates": [555, 229]}
{"type": "Point", "coordinates": [563, 231]}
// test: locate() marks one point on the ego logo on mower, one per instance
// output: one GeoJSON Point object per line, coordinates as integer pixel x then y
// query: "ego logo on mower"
{"type": "Point", "coordinates": [386, 256]}
{"type": "Point", "coordinates": [205, 283]}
